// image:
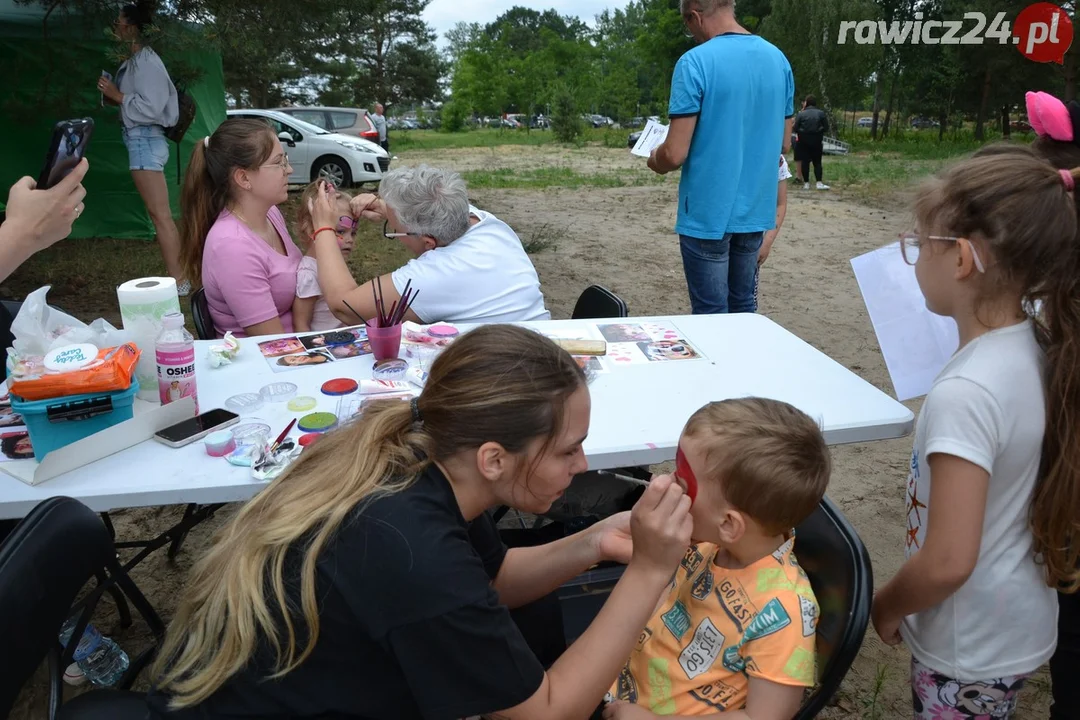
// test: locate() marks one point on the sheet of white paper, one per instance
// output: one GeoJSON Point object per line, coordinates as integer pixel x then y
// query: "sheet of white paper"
{"type": "Point", "coordinates": [651, 138]}
{"type": "Point", "coordinates": [141, 427]}
{"type": "Point", "coordinates": [915, 342]}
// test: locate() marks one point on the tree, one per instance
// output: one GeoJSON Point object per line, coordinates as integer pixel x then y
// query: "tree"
{"type": "Point", "coordinates": [566, 119]}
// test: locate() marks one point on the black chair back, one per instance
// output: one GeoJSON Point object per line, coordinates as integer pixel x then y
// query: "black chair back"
{"type": "Point", "coordinates": [598, 302]}
{"type": "Point", "coordinates": [200, 313]}
{"type": "Point", "coordinates": [834, 557]}
{"type": "Point", "coordinates": [44, 563]}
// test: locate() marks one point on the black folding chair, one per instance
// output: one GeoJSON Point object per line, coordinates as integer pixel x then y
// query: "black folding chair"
{"type": "Point", "coordinates": [834, 557]}
{"type": "Point", "coordinates": [44, 563]}
{"type": "Point", "coordinates": [200, 313]}
{"type": "Point", "coordinates": [597, 302]}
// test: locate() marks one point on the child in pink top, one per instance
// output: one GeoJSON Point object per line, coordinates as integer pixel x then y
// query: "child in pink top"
{"type": "Point", "coordinates": [310, 310]}
{"type": "Point", "coordinates": [246, 281]}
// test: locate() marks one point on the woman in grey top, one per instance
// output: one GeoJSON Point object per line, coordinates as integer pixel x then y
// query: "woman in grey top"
{"type": "Point", "coordinates": [148, 104]}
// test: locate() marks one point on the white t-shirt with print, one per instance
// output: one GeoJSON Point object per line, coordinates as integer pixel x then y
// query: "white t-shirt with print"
{"type": "Point", "coordinates": [485, 276]}
{"type": "Point", "coordinates": [987, 407]}
{"type": "Point", "coordinates": [785, 172]}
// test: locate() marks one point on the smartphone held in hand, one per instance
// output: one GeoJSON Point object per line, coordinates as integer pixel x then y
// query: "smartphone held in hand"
{"type": "Point", "coordinates": [66, 150]}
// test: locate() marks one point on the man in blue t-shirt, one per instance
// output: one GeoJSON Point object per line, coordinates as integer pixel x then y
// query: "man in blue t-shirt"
{"type": "Point", "coordinates": [731, 109]}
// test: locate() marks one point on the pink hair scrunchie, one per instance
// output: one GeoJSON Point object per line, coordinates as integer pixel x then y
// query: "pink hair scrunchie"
{"type": "Point", "coordinates": [1049, 116]}
{"type": "Point", "coordinates": [1068, 179]}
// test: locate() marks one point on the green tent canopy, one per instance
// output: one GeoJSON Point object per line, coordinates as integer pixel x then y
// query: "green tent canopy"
{"type": "Point", "coordinates": [51, 78]}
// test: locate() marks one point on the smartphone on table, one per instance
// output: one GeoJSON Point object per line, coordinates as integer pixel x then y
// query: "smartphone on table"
{"type": "Point", "coordinates": [66, 150]}
{"type": "Point", "coordinates": [196, 428]}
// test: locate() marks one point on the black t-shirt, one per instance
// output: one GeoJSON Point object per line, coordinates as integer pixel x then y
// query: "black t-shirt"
{"type": "Point", "coordinates": [410, 625]}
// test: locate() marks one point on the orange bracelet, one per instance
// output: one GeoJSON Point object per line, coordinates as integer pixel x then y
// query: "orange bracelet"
{"type": "Point", "coordinates": [321, 229]}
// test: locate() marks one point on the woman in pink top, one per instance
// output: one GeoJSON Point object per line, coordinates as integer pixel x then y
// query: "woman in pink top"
{"type": "Point", "coordinates": [234, 237]}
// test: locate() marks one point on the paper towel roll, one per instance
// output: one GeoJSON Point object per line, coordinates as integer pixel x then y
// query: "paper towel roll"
{"type": "Point", "coordinates": [143, 303]}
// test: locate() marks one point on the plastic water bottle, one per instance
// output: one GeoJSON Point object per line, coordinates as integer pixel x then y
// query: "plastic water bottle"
{"type": "Point", "coordinates": [175, 350]}
{"type": "Point", "coordinates": [100, 659]}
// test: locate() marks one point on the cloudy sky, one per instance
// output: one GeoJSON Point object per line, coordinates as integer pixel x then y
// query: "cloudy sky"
{"type": "Point", "coordinates": [444, 14]}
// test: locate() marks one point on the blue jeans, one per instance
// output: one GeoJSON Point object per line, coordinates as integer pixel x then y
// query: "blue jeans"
{"type": "Point", "coordinates": [720, 273]}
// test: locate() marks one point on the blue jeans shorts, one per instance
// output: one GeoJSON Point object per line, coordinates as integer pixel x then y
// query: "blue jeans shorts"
{"type": "Point", "coordinates": [147, 147]}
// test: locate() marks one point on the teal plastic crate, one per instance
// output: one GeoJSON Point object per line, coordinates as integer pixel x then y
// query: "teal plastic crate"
{"type": "Point", "coordinates": [61, 421]}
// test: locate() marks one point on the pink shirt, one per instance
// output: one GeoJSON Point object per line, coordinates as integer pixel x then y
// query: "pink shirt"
{"type": "Point", "coordinates": [246, 281]}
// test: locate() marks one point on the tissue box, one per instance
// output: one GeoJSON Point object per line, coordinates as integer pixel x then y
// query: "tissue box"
{"type": "Point", "coordinates": [54, 423]}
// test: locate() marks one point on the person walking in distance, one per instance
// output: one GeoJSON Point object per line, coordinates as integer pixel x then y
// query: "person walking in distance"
{"type": "Point", "coordinates": [811, 125]}
{"type": "Point", "coordinates": [730, 96]}
{"type": "Point", "coordinates": [380, 124]}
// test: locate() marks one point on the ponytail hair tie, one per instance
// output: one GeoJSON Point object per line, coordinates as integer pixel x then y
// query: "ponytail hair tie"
{"type": "Point", "coordinates": [1068, 179]}
{"type": "Point", "coordinates": [414, 405]}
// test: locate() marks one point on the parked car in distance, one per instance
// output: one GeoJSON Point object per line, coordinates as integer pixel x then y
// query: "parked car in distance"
{"type": "Point", "coordinates": [1020, 126]}
{"type": "Point", "coordinates": [344, 121]}
{"type": "Point", "coordinates": [865, 122]}
{"type": "Point", "coordinates": [920, 123]}
{"type": "Point", "coordinates": [316, 153]}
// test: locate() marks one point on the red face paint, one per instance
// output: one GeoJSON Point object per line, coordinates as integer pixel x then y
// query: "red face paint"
{"type": "Point", "coordinates": [684, 473]}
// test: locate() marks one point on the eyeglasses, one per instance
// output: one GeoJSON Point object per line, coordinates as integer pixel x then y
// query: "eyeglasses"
{"type": "Point", "coordinates": [911, 242]}
{"type": "Point", "coordinates": [684, 473]}
{"type": "Point", "coordinates": [392, 235]}
{"type": "Point", "coordinates": [283, 164]}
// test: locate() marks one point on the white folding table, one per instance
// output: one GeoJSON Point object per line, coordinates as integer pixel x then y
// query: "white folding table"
{"type": "Point", "coordinates": [638, 411]}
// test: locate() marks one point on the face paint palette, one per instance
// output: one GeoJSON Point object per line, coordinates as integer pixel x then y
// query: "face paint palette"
{"type": "Point", "coordinates": [278, 392]}
{"type": "Point", "coordinates": [302, 403]}
{"type": "Point", "coordinates": [339, 386]}
{"type": "Point", "coordinates": [319, 422]}
{"type": "Point", "coordinates": [686, 474]}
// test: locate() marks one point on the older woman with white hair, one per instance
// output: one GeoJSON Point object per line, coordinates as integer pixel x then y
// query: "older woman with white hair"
{"type": "Point", "coordinates": [470, 267]}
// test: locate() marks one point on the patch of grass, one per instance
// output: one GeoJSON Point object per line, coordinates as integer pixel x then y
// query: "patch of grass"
{"type": "Point", "coordinates": [924, 144]}
{"type": "Point", "coordinates": [402, 140]}
{"type": "Point", "coordinates": [485, 137]}
{"type": "Point", "coordinates": [871, 711]}
{"type": "Point", "coordinates": [557, 176]}
{"type": "Point", "coordinates": [545, 237]}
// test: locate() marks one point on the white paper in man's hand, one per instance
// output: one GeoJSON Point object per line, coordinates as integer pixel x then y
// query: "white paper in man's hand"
{"type": "Point", "coordinates": [651, 138]}
{"type": "Point", "coordinates": [915, 342]}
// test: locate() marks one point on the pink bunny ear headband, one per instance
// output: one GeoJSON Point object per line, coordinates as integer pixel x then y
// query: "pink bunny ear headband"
{"type": "Point", "coordinates": [1050, 117]}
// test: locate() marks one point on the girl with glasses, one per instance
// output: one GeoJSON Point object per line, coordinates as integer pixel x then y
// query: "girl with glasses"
{"type": "Point", "coordinates": [993, 487]}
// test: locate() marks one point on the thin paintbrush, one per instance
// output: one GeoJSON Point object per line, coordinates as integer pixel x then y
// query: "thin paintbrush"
{"type": "Point", "coordinates": [408, 306]}
{"type": "Point", "coordinates": [382, 316]}
{"type": "Point", "coordinates": [353, 311]}
{"type": "Point", "coordinates": [375, 298]}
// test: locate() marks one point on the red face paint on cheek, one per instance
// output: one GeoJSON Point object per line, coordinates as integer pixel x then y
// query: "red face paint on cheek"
{"type": "Point", "coordinates": [683, 471]}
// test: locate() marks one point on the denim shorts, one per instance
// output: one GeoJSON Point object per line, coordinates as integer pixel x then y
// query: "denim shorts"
{"type": "Point", "coordinates": [147, 147]}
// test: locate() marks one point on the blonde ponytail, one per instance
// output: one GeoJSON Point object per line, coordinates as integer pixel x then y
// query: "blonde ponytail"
{"type": "Point", "coordinates": [225, 611]}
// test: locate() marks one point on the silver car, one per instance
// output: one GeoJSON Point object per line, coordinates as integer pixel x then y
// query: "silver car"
{"type": "Point", "coordinates": [344, 121]}
{"type": "Point", "coordinates": [314, 153]}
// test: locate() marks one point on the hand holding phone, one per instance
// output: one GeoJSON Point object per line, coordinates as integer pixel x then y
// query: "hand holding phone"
{"type": "Point", "coordinates": [106, 77]}
{"type": "Point", "coordinates": [67, 148]}
{"type": "Point", "coordinates": [37, 219]}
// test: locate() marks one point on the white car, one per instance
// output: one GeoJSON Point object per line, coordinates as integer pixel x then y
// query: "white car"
{"type": "Point", "coordinates": [317, 154]}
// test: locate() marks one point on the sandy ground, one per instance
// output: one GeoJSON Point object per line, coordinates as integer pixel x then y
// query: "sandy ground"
{"type": "Point", "coordinates": [622, 238]}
